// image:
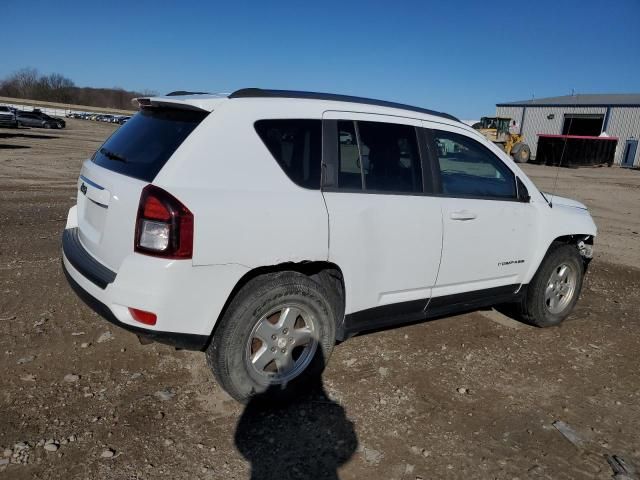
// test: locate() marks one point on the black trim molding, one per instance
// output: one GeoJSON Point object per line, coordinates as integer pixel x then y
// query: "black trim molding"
{"type": "Point", "coordinates": [382, 316]}
{"type": "Point", "coordinates": [425, 309]}
{"type": "Point", "coordinates": [83, 262]}
{"type": "Point", "coordinates": [460, 302]}
{"type": "Point", "coordinates": [180, 340]}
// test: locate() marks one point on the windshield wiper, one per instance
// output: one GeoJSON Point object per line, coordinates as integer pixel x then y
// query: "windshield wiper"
{"type": "Point", "coordinates": [112, 156]}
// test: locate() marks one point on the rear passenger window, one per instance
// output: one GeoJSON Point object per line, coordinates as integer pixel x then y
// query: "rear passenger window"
{"type": "Point", "coordinates": [377, 156]}
{"type": "Point", "coordinates": [390, 158]}
{"type": "Point", "coordinates": [297, 147]}
{"type": "Point", "coordinates": [468, 168]}
{"type": "Point", "coordinates": [349, 174]}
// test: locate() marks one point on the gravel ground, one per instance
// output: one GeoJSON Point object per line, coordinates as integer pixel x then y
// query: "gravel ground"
{"type": "Point", "coordinates": [472, 396]}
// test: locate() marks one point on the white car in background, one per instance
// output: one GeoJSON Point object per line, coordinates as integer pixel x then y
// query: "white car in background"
{"type": "Point", "coordinates": [264, 225]}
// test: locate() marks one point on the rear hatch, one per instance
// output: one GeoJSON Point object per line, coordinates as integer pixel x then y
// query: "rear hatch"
{"type": "Point", "coordinates": [111, 182]}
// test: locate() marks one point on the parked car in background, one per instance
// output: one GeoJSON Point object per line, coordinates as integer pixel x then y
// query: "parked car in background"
{"type": "Point", "coordinates": [7, 117]}
{"type": "Point", "coordinates": [39, 119]}
{"type": "Point", "coordinates": [123, 119]}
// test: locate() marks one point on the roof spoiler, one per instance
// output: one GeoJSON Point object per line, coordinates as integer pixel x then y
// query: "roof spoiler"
{"type": "Point", "coordinates": [167, 102]}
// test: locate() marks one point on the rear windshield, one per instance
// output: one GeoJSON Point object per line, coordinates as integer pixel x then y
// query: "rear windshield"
{"type": "Point", "coordinates": [142, 146]}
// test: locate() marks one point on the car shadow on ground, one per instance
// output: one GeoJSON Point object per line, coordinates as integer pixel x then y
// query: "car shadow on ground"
{"type": "Point", "coordinates": [27, 135]}
{"type": "Point", "coordinates": [12, 147]}
{"type": "Point", "coordinates": [308, 438]}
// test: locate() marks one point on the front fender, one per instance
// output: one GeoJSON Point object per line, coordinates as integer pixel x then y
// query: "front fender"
{"type": "Point", "coordinates": [560, 221]}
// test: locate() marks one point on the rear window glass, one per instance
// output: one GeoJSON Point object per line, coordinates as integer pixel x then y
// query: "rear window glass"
{"type": "Point", "coordinates": [297, 147]}
{"type": "Point", "coordinates": [142, 146]}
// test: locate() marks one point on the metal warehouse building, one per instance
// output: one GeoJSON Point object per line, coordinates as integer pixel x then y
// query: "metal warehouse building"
{"type": "Point", "coordinates": [589, 115]}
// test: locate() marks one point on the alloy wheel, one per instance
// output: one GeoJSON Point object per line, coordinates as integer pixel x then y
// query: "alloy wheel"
{"type": "Point", "coordinates": [281, 344]}
{"type": "Point", "coordinates": [561, 287]}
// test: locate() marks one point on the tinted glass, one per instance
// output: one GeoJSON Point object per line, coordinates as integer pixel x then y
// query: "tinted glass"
{"type": "Point", "coordinates": [390, 158]}
{"type": "Point", "coordinates": [142, 146]}
{"type": "Point", "coordinates": [297, 147]}
{"type": "Point", "coordinates": [349, 174]}
{"type": "Point", "coordinates": [467, 168]}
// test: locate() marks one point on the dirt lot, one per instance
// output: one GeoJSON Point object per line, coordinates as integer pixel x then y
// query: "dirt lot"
{"type": "Point", "coordinates": [390, 406]}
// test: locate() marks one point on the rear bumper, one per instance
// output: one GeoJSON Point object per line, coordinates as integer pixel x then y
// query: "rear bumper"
{"type": "Point", "coordinates": [86, 265]}
{"type": "Point", "coordinates": [142, 284]}
{"type": "Point", "coordinates": [180, 340]}
{"type": "Point", "coordinates": [186, 299]}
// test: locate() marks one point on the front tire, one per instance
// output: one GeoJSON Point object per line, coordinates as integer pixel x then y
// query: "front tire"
{"type": "Point", "coordinates": [274, 338]}
{"type": "Point", "coordinates": [555, 288]}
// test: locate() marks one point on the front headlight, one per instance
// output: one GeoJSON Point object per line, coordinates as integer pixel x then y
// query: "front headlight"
{"type": "Point", "coordinates": [586, 249]}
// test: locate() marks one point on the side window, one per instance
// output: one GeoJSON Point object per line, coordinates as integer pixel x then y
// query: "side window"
{"type": "Point", "coordinates": [349, 174]}
{"type": "Point", "coordinates": [297, 147]}
{"type": "Point", "coordinates": [385, 159]}
{"type": "Point", "coordinates": [467, 168]}
{"type": "Point", "coordinates": [390, 158]}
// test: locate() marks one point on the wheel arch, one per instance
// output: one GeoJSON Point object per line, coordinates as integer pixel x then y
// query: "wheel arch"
{"type": "Point", "coordinates": [576, 239]}
{"type": "Point", "coordinates": [327, 274]}
{"type": "Point", "coordinates": [583, 242]}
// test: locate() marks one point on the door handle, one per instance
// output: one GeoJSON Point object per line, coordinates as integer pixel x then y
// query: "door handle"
{"type": "Point", "coordinates": [462, 215]}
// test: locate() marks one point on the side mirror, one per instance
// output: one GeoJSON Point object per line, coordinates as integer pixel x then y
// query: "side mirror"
{"type": "Point", "coordinates": [523, 193]}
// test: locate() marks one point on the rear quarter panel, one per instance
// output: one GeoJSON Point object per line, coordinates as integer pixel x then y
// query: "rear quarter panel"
{"type": "Point", "coordinates": [247, 211]}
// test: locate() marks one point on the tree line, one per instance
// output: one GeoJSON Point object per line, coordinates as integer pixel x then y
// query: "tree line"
{"type": "Point", "coordinates": [28, 83]}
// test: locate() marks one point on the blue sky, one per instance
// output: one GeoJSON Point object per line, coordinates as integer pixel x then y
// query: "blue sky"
{"type": "Point", "coordinates": [453, 56]}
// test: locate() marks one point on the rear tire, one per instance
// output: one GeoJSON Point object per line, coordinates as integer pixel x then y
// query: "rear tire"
{"type": "Point", "coordinates": [554, 289]}
{"type": "Point", "coordinates": [275, 337]}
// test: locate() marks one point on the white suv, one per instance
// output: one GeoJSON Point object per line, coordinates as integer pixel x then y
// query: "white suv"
{"type": "Point", "coordinates": [264, 225]}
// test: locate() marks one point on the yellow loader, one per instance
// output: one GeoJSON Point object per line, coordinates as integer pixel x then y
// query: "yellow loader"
{"type": "Point", "coordinates": [496, 130]}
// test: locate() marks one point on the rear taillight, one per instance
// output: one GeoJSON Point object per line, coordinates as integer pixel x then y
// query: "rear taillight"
{"type": "Point", "coordinates": [164, 226]}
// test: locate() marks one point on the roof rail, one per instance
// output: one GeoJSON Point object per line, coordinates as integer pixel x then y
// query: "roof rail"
{"type": "Point", "coordinates": [260, 93]}
{"type": "Point", "coordinates": [183, 92]}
